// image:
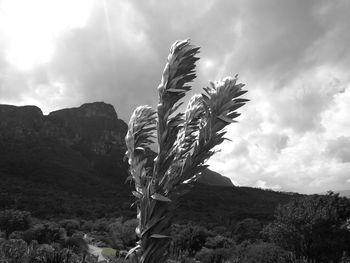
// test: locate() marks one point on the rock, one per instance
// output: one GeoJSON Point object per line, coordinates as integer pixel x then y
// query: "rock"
{"type": "Point", "coordinates": [73, 149]}
{"type": "Point", "coordinates": [95, 109]}
{"type": "Point", "coordinates": [210, 177]}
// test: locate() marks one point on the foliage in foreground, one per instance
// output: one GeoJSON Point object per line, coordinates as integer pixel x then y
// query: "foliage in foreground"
{"type": "Point", "coordinates": [185, 141]}
{"type": "Point", "coordinates": [316, 227]}
{"type": "Point", "coordinates": [11, 220]}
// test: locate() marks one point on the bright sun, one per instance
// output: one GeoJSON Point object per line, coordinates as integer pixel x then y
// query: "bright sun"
{"type": "Point", "coordinates": [30, 28]}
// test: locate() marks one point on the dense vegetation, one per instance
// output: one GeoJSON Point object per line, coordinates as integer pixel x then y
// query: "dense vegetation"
{"type": "Point", "coordinates": [207, 204]}
{"type": "Point", "coordinates": [316, 227]}
{"type": "Point", "coordinates": [307, 229]}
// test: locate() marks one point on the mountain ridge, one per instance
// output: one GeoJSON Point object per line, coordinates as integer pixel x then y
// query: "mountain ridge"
{"type": "Point", "coordinates": [70, 163]}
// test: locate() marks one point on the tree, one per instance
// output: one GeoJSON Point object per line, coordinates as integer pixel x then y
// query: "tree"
{"type": "Point", "coordinates": [185, 141]}
{"type": "Point", "coordinates": [122, 233]}
{"type": "Point", "coordinates": [12, 220]}
{"type": "Point", "coordinates": [248, 229]}
{"type": "Point", "coordinates": [316, 227]}
{"type": "Point", "coordinates": [190, 239]}
{"type": "Point", "coordinates": [265, 253]}
{"type": "Point", "coordinates": [47, 232]}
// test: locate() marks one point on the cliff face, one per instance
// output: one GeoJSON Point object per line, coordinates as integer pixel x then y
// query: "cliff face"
{"type": "Point", "coordinates": [70, 163]}
{"type": "Point", "coordinates": [89, 139]}
{"type": "Point", "coordinates": [20, 122]}
{"type": "Point", "coordinates": [93, 127]}
{"type": "Point", "coordinates": [85, 142]}
{"type": "Point", "coordinates": [210, 177]}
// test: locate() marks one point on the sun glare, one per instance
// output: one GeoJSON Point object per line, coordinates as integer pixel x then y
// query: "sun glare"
{"type": "Point", "coordinates": [31, 27]}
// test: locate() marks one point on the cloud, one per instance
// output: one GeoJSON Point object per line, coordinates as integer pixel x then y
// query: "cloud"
{"type": "Point", "coordinates": [340, 148]}
{"type": "Point", "coordinates": [263, 185]}
{"type": "Point", "coordinates": [291, 54]}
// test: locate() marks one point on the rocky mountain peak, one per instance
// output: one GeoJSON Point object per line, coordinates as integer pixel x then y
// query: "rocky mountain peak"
{"type": "Point", "coordinates": [11, 111]}
{"type": "Point", "coordinates": [19, 121]}
{"type": "Point", "coordinates": [210, 177]}
{"type": "Point", "coordinates": [94, 109]}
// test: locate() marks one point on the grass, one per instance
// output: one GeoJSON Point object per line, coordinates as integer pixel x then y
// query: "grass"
{"type": "Point", "coordinates": [108, 251]}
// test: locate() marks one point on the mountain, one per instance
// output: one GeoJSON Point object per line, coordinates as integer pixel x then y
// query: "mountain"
{"type": "Point", "coordinates": [345, 193]}
{"type": "Point", "coordinates": [72, 154]}
{"type": "Point", "coordinates": [89, 138]}
{"type": "Point", "coordinates": [210, 177]}
{"type": "Point", "coordinates": [70, 163]}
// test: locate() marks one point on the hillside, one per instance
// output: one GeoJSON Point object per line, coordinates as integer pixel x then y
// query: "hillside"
{"type": "Point", "coordinates": [210, 177]}
{"type": "Point", "coordinates": [70, 163]}
{"type": "Point", "coordinates": [345, 193]}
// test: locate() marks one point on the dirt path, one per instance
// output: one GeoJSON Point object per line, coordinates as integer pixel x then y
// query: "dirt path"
{"type": "Point", "coordinates": [96, 251]}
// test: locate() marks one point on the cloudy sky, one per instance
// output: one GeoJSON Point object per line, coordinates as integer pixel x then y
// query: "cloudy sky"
{"type": "Point", "coordinates": [293, 56]}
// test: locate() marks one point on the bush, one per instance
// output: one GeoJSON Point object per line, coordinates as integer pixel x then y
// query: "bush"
{"type": "Point", "coordinates": [11, 220]}
{"type": "Point", "coordinates": [219, 242]}
{"type": "Point", "coordinates": [265, 253]}
{"type": "Point", "coordinates": [87, 226]}
{"type": "Point", "coordinates": [248, 229]}
{"type": "Point", "coordinates": [16, 235]}
{"type": "Point", "coordinates": [76, 244]}
{"type": "Point", "coordinates": [102, 224]}
{"type": "Point", "coordinates": [219, 255]}
{"type": "Point", "coordinates": [44, 250]}
{"type": "Point", "coordinates": [45, 233]}
{"type": "Point", "coordinates": [189, 238]}
{"type": "Point", "coordinates": [313, 226]}
{"type": "Point", "coordinates": [13, 249]}
{"type": "Point", "coordinates": [17, 251]}
{"type": "Point", "coordinates": [122, 234]}
{"type": "Point", "coordinates": [70, 225]}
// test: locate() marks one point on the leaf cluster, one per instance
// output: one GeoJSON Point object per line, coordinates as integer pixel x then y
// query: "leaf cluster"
{"type": "Point", "coordinates": [185, 141]}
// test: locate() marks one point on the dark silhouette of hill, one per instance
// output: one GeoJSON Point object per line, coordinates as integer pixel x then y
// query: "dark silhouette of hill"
{"type": "Point", "coordinates": [345, 193]}
{"type": "Point", "coordinates": [68, 155]}
{"type": "Point", "coordinates": [70, 163]}
{"type": "Point", "coordinates": [210, 177]}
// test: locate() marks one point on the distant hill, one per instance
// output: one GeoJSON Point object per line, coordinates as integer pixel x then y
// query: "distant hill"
{"type": "Point", "coordinates": [210, 177]}
{"type": "Point", "coordinates": [70, 163]}
{"type": "Point", "coordinates": [345, 193]}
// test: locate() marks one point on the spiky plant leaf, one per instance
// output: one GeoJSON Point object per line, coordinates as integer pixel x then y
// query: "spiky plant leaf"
{"type": "Point", "coordinates": [141, 129]}
{"type": "Point", "coordinates": [178, 73]}
{"type": "Point", "coordinates": [159, 236]}
{"type": "Point", "coordinates": [185, 142]}
{"type": "Point", "coordinates": [220, 102]}
{"type": "Point", "coordinates": [160, 197]}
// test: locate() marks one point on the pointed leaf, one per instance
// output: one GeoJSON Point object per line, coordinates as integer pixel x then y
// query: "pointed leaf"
{"type": "Point", "coordinates": [159, 236]}
{"type": "Point", "coordinates": [160, 197]}
{"type": "Point", "coordinates": [137, 194]}
{"type": "Point", "coordinates": [132, 251]}
{"type": "Point", "coordinates": [175, 90]}
{"type": "Point", "coordinates": [225, 119]}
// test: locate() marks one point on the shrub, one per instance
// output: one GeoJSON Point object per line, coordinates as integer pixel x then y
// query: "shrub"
{"type": "Point", "coordinates": [87, 226]}
{"type": "Point", "coordinates": [219, 255]}
{"type": "Point", "coordinates": [13, 249]}
{"type": "Point", "coordinates": [122, 234]}
{"type": "Point", "coordinates": [16, 235]}
{"type": "Point", "coordinates": [70, 225]}
{"type": "Point", "coordinates": [265, 253]}
{"type": "Point", "coordinates": [45, 233]}
{"type": "Point", "coordinates": [190, 239]}
{"type": "Point", "coordinates": [219, 242]}
{"type": "Point", "coordinates": [44, 251]}
{"type": "Point", "coordinates": [76, 244]}
{"type": "Point", "coordinates": [248, 229]}
{"type": "Point", "coordinates": [11, 220]}
{"type": "Point", "coordinates": [313, 226]}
